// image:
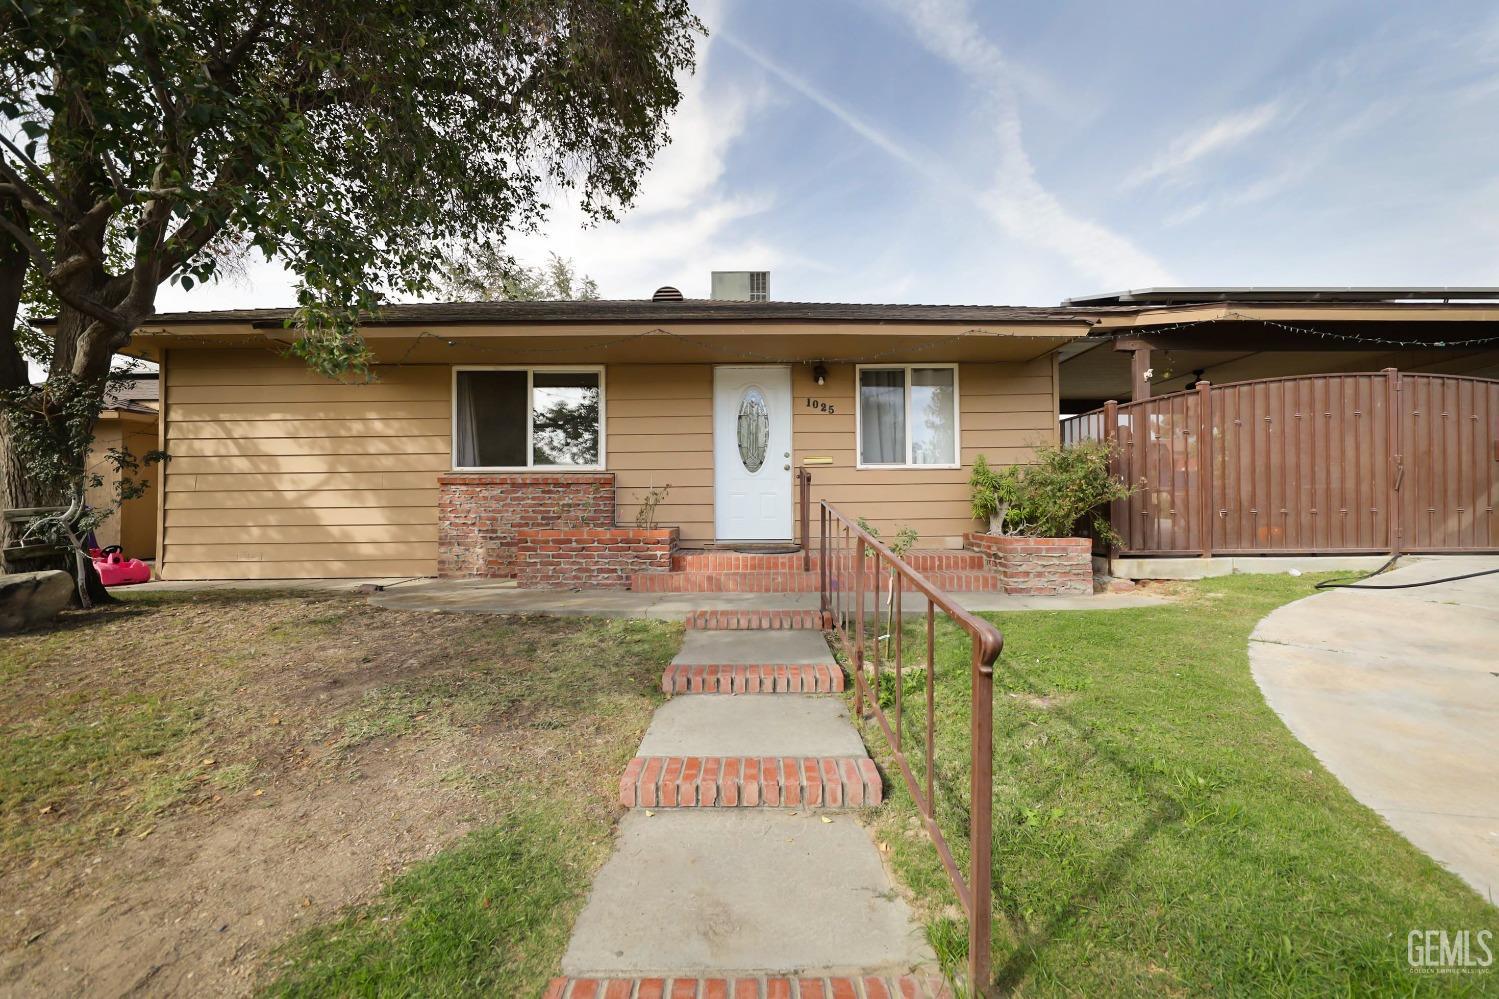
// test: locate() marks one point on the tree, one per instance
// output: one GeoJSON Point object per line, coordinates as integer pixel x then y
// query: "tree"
{"type": "Point", "coordinates": [491, 275]}
{"type": "Point", "coordinates": [356, 142]}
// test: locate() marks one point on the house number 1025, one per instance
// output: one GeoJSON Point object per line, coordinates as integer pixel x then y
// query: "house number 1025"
{"type": "Point", "coordinates": [821, 407]}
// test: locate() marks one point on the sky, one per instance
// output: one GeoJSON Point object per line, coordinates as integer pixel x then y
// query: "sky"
{"type": "Point", "coordinates": [943, 151]}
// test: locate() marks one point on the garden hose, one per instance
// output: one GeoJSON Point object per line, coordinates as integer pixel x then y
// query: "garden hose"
{"type": "Point", "coordinates": [1359, 583]}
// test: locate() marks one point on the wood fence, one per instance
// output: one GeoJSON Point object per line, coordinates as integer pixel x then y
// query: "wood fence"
{"type": "Point", "coordinates": [1319, 464]}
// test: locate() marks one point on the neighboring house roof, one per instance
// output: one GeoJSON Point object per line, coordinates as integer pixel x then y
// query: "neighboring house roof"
{"type": "Point", "coordinates": [640, 310]}
{"type": "Point", "coordinates": [141, 393]}
{"type": "Point", "coordinates": [1141, 297]}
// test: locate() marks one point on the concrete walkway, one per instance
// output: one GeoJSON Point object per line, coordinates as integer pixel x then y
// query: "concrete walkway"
{"type": "Point", "coordinates": [735, 887]}
{"type": "Point", "coordinates": [1397, 693]}
{"type": "Point", "coordinates": [476, 596]}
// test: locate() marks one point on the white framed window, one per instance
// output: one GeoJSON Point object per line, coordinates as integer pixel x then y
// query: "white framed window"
{"type": "Point", "coordinates": [907, 416]}
{"type": "Point", "coordinates": [511, 419]}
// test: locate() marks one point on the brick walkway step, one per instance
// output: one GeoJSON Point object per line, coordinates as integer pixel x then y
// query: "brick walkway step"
{"type": "Point", "coordinates": [841, 987]}
{"type": "Point", "coordinates": [976, 581]}
{"type": "Point", "coordinates": [923, 560]}
{"type": "Point", "coordinates": [750, 782]}
{"type": "Point", "coordinates": [729, 678]}
{"type": "Point", "coordinates": [758, 620]}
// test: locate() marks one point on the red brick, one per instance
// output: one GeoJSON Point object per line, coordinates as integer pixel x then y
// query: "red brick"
{"type": "Point", "coordinates": [585, 988]}
{"type": "Point", "coordinates": [627, 783]}
{"type": "Point", "coordinates": [853, 785]}
{"type": "Point", "coordinates": [749, 793]}
{"type": "Point", "coordinates": [669, 779]}
{"type": "Point", "coordinates": [842, 988]}
{"type": "Point", "coordinates": [832, 784]}
{"type": "Point", "coordinates": [778, 988]}
{"type": "Point", "coordinates": [874, 789]}
{"type": "Point", "coordinates": [684, 988]}
{"type": "Point", "coordinates": [874, 988]}
{"type": "Point", "coordinates": [620, 988]}
{"type": "Point", "coordinates": [811, 784]}
{"type": "Point", "coordinates": [649, 779]}
{"type": "Point", "coordinates": [707, 786]}
{"type": "Point", "coordinates": [687, 790]}
{"type": "Point", "coordinates": [651, 988]}
{"type": "Point", "coordinates": [791, 789]}
{"type": "Point", "coordinates": [555, 988]}
{"type": "Point", "coordinates": [715, 988]}
{"type": "Point", "coordinates": [811, 988]}
{"type": "Point", "coordinates": [747, 988]}
{"type": "Point", "coordinates": [728, 784]}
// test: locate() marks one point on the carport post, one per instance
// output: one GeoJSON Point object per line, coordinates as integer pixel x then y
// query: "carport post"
{"type": "Point", "coordinates": [1394, 420]}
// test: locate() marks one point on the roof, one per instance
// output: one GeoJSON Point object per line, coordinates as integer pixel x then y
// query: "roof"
{"type": "Point", "coordinates": [1292, 295]}
{"type": "Point", "coordinates": [641, 310]}
{"type": "Point", "coordinates": [140, 393]}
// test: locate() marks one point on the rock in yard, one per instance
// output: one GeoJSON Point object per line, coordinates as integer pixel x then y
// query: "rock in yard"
{"type": "Point", "coordinates": [31, 598]}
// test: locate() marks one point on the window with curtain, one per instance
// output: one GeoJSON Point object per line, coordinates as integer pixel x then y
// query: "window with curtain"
{"type": "Point", "coordinates": [908, 415]}
{"type": "Point", "coordinates": [527, 418]}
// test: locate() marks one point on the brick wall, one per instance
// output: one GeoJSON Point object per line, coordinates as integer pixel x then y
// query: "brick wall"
{"type": "Point", "coordinates": [547, 530]}
{"type": "Point", "coordinates": [597, 558]}
{"type": "Point", "coordinates": [1038, 565]}
{"type": "Point", "coordinates": [478, 515]}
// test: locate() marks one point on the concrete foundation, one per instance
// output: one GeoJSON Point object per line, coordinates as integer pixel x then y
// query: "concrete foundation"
{"type": "Point", "coordinates": [1225, 565]}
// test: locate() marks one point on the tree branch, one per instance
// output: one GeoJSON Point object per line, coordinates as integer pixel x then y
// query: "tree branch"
{"type": "Point", "coordinates": [30, 197]}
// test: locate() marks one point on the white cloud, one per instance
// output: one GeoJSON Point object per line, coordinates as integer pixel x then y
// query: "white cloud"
{"type": "Point", "coordinates": [1215, 137]}
{"type": "Point", "coordinates": [1017, 199]}
{"type": "Point", "coordinates": [683, 223]}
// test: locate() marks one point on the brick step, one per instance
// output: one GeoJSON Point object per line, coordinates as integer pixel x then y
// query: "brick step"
{"type": "Point", "coordinates": [763, 987]}
{"type": "Point", "coordinates": [758, 620]}
{"type": "Point", "coordinates": [922, 560]}
{"type": "Point", "coordinates": [683, 678]}
{"type": "Point", "coordinates": [792, 582]}
{"type": "Point", "coordinates": [750, 782]}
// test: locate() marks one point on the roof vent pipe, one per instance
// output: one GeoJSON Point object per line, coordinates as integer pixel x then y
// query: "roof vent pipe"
{"type": "Point", "coordinates": [666, 293]}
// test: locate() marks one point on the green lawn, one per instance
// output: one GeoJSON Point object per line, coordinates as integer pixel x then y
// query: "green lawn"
{"type": "Point", "coordinates": [1157, 829]}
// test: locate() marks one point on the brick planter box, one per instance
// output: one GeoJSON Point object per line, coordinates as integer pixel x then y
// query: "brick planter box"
{"type": "Point", "coordinates": [547, 530]}
{"type": "Point", "coordinates": [596, 558]}
{"type": "Point", "coordinates": [1039, 566]}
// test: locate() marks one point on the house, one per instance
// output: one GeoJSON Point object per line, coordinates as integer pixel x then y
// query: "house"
{"type": "Point", "coordinates": [129, 422]}
{"type": "Point", "coordinates": [485, 421]}
{"type": "Point", "coordinates": [605, 442]}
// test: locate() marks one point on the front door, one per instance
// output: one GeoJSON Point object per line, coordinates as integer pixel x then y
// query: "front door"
{"type": "Point", "coordinates": [752, 453]}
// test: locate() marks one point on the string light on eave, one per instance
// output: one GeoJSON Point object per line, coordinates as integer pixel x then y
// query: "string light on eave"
{"type": "Point", "coordinates": [1373, 341]}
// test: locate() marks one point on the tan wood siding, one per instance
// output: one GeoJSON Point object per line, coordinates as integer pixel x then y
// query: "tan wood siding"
{"type": "Point", "coordinates": [1005, 409]}
{"type": "Point", "coordinates": [277, 472]}
{"type": "Point", "coordinates": [131, 525]}
{"type": "Point", "coordinates": [660, 432]}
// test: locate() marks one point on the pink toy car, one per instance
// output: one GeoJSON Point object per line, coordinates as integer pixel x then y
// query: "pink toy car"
{"type": "Point", "coordinates": [115, 569]}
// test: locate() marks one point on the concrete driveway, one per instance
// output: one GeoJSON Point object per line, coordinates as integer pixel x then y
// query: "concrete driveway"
{"type": "Point", "coordinates": [1397, 693]}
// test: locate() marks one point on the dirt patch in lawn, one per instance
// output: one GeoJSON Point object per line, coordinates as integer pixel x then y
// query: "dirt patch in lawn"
{"type": "Point", "coordinates": [187, 781]}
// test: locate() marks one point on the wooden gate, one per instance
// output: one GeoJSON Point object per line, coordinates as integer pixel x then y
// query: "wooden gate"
{"type": "Point", "coordinates": [1319, 464]}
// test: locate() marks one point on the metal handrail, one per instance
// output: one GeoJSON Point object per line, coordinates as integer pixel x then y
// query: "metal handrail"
{"type": "Point", "coordinates": [804, 505]}
{"type": "Point", "coordinates": [845, 549]}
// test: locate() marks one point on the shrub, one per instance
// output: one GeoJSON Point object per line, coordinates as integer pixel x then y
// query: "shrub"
{"type": "Point", "coordinates": [1060, 495]}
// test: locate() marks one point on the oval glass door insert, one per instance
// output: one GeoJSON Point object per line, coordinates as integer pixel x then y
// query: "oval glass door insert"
{"type": "Point", "coordinates": [754, 429]}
